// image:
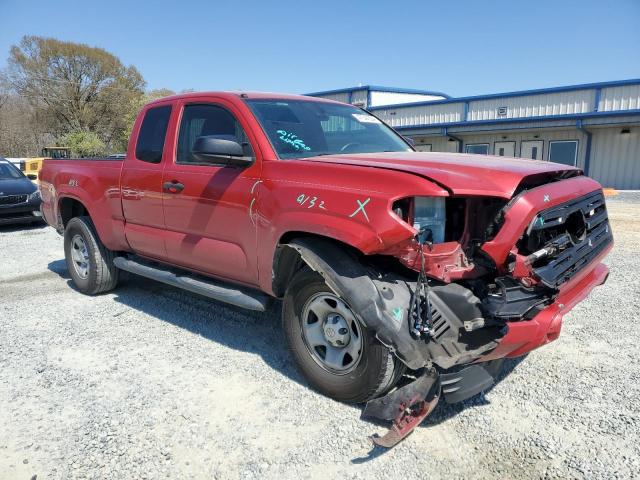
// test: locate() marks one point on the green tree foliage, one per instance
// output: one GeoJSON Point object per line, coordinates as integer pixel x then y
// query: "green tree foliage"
{"type": "Point", "coordinates": [75, 88]}
{"type": "Point", "coordinates": [83, 144]}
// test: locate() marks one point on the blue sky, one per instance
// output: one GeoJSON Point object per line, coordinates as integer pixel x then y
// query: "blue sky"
{"type": "Point", "coordinates": [458, 47]}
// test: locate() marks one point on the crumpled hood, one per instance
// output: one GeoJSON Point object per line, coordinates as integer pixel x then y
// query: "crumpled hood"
{"type": "Point", "coordinates": [462, 174]}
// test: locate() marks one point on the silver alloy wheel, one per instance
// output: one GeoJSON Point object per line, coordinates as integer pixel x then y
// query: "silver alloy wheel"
{"type": "Point", "coordinates": [331, 333]}
{"type": "Point", "coordinates": [80, 256]}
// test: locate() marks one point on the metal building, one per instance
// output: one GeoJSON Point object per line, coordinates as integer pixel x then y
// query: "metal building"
{"type": "Point", "coordinates": [594, 126]}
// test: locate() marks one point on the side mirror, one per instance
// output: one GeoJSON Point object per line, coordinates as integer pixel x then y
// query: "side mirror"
{"type": "Point", "coordinates": [410, 141]}
{"type": "Point", "coordinates": [32, 176]}
{"type": "Point", "coordinates": [214, 150]}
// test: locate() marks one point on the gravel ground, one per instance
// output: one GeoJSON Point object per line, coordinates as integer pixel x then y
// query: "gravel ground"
{"type": "Point", "coordinates": [151, 382]}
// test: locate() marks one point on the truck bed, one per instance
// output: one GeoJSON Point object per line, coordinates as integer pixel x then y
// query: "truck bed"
{"type": "Point", "coordinates": [95, 183]}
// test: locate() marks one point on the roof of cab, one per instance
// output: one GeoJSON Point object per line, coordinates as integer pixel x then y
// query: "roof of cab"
{"type": "Point", "coordinates": [243, 95]}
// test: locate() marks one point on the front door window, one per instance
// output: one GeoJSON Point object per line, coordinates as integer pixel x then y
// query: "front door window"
{"type": "Point", "coordinates": [208, 120]}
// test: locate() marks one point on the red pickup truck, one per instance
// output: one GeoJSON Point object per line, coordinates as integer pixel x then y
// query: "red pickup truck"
{"type": "Point", "coordinates": [405, 277]}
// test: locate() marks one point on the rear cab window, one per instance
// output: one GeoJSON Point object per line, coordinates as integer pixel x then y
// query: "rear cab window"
{"type": "Point", "coordinates": [152, 134]}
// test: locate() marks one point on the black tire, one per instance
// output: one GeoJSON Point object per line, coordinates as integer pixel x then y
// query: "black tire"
{"type": "Point", "coordinates": [377, 371]}
{"type": "Point", "coordinates": [101, 275]}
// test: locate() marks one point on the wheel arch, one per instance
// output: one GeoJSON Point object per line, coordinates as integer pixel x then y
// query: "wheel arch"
{"type": "Point", "coordinates": [68, 208]}
{"type": "Point", "coordinates": [288, 261]}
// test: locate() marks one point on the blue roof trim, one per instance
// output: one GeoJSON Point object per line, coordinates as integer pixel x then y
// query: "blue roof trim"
{"type": "Point", "coordinates": [571, 116]}
{"type": "Point", "coordinates": [378, 88]}
{"type": "Point", "coordinates": [338, 90]}
{"type": "Point", "coordinates": [522, 93]}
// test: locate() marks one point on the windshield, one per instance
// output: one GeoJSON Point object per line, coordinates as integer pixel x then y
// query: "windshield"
{"type": "Point", "coordinates": [300, 128]}
{"type": "Point", "coordinates": [9, 172]}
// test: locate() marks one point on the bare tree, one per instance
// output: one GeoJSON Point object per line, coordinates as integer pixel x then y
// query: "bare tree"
{"type": "Point", "coordinates": [74, 87]}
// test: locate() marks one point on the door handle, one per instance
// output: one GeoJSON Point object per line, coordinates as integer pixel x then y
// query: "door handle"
{"type": "Point", "coordinates": [173, 187]}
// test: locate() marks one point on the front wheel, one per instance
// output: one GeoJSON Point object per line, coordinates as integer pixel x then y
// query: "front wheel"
{"type": "Point", "coordinates": [89, 262]}
{"type": "Point", "coordinates": [337, 354]}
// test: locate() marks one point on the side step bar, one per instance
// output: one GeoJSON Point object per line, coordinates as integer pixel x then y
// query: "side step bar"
{"type": "Point", "coordinates": [217, 291]}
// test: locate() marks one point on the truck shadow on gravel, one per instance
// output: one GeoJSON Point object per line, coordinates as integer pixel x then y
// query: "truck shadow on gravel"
{"type": "Point", "coordinates": [28, 228]}
{"type": "Point", "coordinates": [252, 332]}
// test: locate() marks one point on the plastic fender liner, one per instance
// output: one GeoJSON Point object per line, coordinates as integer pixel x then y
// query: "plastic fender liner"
{"type": "Point", "coordinates": [451, 306]}
{"type": "Point", "coordinates": [381, 304]}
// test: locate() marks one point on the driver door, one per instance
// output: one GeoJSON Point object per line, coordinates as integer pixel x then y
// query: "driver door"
{"type": "Point", "coordinates": [207, 208]}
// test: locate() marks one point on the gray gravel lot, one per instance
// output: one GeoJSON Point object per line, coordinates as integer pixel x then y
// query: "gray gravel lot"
{"type": "Point", "coordinates": [153, 382]}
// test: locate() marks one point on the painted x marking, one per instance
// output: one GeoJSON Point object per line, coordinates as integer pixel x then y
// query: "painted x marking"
{"type": "Point", "coordinates": [360, 208]}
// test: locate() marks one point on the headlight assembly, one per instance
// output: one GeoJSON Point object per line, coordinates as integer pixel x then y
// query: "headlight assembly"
{"type": "Point", "coordinates": [427, 214]}
{"type": "Point", "coordinates": [34, 196]}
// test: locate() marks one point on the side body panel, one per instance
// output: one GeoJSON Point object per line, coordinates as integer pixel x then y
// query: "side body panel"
{"type": "Point", "coordinates": [348, 204]}
{"type": "Point", "coordinates": [94, 183]}
{"type": "Point", "coordinates": [209, 225]}
{"type": "Point", "coordinates": [142, 201]}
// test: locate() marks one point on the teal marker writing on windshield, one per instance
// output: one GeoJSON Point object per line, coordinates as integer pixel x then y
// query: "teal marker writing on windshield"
{"type": "Point", "coordinates": [292, 139]}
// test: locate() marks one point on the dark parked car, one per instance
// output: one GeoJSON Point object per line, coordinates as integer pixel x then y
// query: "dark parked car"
{"type": "Point", "coordinates": [19, 197]}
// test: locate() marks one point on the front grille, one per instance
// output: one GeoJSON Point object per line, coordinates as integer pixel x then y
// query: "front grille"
{"type": "Point", "coordinates": [577, 230]}
{"type": "Point", "coordinates": [12, 199]}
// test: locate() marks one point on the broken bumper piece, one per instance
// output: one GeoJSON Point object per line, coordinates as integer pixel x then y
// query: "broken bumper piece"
{"type": "Point", "coordinates": [410, 404]}
{"type": "Point", "coordinates": [407, 406]}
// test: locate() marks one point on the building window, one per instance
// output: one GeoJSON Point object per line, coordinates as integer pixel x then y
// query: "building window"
{"type": "Point", "coordinates": [563, 151]}
{"type": "Point", "coordinates": [479, 148]}
{"type": "Point", "coordinates": [423, 147]}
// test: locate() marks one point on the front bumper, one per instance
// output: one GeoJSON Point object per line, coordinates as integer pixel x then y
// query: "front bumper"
{"type": "Point", "coordinates": [526, 335]}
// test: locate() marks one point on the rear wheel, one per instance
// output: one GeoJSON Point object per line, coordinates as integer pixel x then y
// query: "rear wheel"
{"type": "Point", "coordinates": [337, 354]}
{"type": "Point", "coordinates": [89, 262]}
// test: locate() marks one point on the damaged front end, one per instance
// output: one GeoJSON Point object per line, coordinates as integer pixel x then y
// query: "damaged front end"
{"type": "Point", "coordinates": [382, 301]}
{"type": "Point", "coordinates": [484, 279]}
